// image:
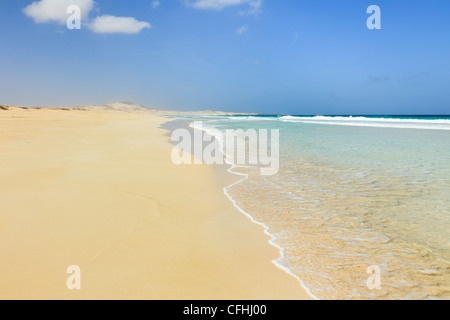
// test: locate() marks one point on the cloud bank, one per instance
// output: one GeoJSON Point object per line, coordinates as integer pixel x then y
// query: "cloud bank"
{"type": "Point", "coordinates": [112, 24]}
{"type": "Point", "coordinates": [254, 5]}
{"type": "Point", "coordinates": [45, 11]}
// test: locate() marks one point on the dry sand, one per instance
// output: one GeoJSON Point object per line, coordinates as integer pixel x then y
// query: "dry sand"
{"type": "Point", "coordinates": [96, 188]}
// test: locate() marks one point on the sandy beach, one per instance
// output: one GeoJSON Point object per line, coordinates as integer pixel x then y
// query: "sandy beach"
{"type": "Point", "coordinates": [96, 188]}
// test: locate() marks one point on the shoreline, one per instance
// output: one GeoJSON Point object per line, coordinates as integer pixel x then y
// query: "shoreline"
{"type": "Point", "coordinates": [273, 241]}
{"type": "Point", "coordinates": [102, 193]}
{"type": "Point", "coordinates": [228, 167]}
{"type": "Point", "coordinates": [220, 171]}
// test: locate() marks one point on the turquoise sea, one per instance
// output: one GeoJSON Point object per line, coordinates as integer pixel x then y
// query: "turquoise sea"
{"type": "Point", "coordinates": [354, 192]}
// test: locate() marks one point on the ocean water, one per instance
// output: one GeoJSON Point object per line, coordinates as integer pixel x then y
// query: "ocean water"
{"type": "Point", "coordinates": [351, 193]}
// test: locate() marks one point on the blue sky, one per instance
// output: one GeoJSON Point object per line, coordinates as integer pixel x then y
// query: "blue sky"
{"type": "Point", "coordinates": [266, 56]}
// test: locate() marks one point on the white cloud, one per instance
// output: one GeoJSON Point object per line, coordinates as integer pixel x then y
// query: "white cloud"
{"type": "Point", "coordinates": [43, 11]}
{"type": "Point", "coordinates": [242, 30]}
{"type": "Point", "coordinates": [255, 8]}
{"type": "Point", "coordinates": [255, 5]}
{"type": "Point", "coordinates": [155, 4]}
{"type": "Point", "coordinates": [112, 24]}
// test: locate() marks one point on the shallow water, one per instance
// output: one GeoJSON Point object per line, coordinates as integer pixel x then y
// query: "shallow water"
{"type": "Point", "coordinates": [348, 197]}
